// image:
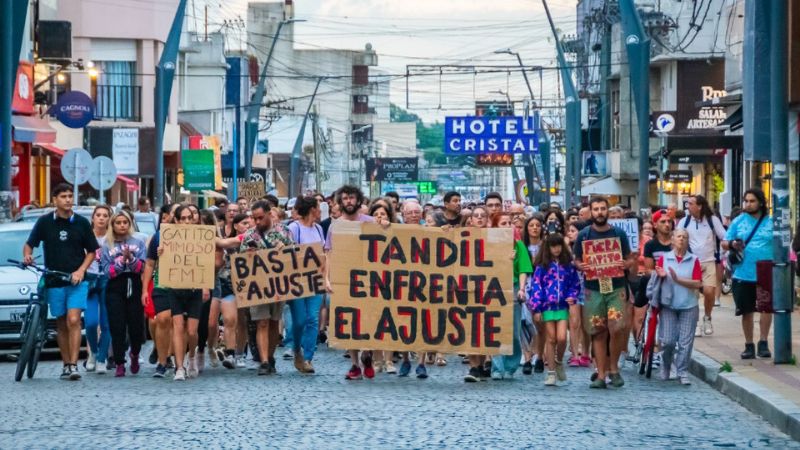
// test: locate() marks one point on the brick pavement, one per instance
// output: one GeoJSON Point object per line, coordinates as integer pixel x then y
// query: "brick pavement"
{"type": "Point", "coordinates": [234, 409]}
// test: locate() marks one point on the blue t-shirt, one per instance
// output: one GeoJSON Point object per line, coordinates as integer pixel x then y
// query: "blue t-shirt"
{"type": "Point", "coordinates": [759, 248]}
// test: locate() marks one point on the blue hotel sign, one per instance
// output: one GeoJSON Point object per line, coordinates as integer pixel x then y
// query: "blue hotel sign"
{"type": "Point", "coordinates": [488, 135]}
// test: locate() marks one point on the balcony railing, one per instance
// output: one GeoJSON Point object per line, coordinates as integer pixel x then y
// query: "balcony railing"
{"type": "Point", "coordinates": [118, 103]}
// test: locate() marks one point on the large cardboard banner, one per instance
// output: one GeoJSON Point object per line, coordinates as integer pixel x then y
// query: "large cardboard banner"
{"type": "Point", "coordinates": [188, 258]}
{"type": "Point", "coordinates": [275, 275]}
{"type": "Point", "coordinates": [251, 190]}
{"type": "Point", "coordinates": [412, 288]}
{"type": "Point", "coordinates": [603, 257]}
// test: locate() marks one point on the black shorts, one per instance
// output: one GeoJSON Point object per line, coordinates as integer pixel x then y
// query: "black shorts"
{"type": "Point", "coordinates": [744, 296]}
{"type": "Point", "coordinates": [161, 300]}
{"type": "Point", "coordinates": [640, 298]}
{"type": "Point", "coordinates": [181, 301]}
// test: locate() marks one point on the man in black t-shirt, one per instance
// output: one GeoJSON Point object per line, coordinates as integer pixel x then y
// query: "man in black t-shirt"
{"type": "Point", "coordinates": [69, 246]}
{"type": "Point", "coordinates": [604, 309]}
{"type": "Point", "coordinates": [452, 210]}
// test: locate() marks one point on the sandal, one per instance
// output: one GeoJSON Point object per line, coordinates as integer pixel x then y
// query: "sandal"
{"type": "Point", "coordinates": [440, 361]}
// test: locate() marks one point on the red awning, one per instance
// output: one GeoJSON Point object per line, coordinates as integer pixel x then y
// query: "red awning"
{"type": "Point", "coordinates": [32, 129]}
{"type": "Point", "coordinates": [131, 185]}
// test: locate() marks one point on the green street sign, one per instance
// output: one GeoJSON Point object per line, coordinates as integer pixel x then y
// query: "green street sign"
{"type": "Point", "coordinates": [198, 169]}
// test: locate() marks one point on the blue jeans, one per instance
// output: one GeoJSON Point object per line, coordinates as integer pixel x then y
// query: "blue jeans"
{"type": "Point", "coordinates": [96, 315]}
{"type": "Point", "coordinates": [288, 333]}
{"type": "Point", "coordinates": [305, 324]}
{"type": "Point", "coordinates": [509, 363]}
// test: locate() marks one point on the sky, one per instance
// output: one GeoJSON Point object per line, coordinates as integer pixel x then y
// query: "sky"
{"type": "Point", "coordinates": [432, 32]}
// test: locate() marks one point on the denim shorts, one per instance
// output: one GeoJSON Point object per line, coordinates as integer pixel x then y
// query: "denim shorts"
{"type": "Point", "coordinates": [61, 299]}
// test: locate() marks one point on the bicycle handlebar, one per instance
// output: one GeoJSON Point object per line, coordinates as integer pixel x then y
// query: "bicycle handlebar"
{"type": "Point", "coordinates": [45, 271]}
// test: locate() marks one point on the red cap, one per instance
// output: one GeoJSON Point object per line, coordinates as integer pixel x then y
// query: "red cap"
{"type": "Point", "coordinates": [657, 215]}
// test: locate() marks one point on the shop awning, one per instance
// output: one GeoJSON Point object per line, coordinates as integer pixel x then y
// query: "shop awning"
{"type": "Point", "coordinates": [703, 141]}
{"type": "Point", "coordinates": [609, 186]}
{"type": "Point", "coordinates": [32, 129]}
{"type": "Point", "coordinates": [131, 185]}
{"type": "Point", "coordinates": [734, 120]}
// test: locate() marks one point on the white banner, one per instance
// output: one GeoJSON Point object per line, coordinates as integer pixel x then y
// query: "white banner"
{"type": "Point", "coordinates": [125, 150]}
{"type": "Point", "coordinates": [631, 228]}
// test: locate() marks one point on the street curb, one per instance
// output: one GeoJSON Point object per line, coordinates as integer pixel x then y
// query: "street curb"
{"type": "Point", "coordinates": [754, 396]}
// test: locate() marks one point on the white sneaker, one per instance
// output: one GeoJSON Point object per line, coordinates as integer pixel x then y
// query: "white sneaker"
{"type": "Point", "coordinates": [550, 380]}
{"type": "Point", "coordinates": [288, 354]}
{"type": "Point", "coordinates": [708, 329]}
{"type": "Point", "coordinates": [192, 372]}
{"type": "Point", "coordinates": [697, 330]}
{"type": "Point", "coordinates": [685, 381]}
{"type": "Point", "coordinates": [101, 368]}
{"type": "Point", "coordinates": [180, 374]}
{"type": "Point", "coordinates": [201, 360]}
{"type": "Point", "coordinates": [91, 363]}
{"type": "Point", "coordinates": [212, 358]}
{"type": "Point", "coordinates": [240, 363]}
{"type": "Point", "coordinates": [717, 302]}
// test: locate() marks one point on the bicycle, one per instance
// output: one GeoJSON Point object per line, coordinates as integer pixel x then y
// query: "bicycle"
{"type": "Point", "coordinates": [33, 332]}
{"type": "Point", "coordinates": [651, 324]}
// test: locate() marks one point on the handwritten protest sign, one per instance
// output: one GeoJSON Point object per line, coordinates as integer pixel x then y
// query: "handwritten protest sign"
{"type": "Point", "coordinates": [188, 258]}
{"type": "Point", "coordinates": [251, 190]}
{"type": "Point", "coordinates": [273, 275]}
{"type": "Point", "coordinates": [603, 257]}
{"type": "Point", "coordinates": [631, 229]}
{"type": "Point", "coordinates": [423, 289]}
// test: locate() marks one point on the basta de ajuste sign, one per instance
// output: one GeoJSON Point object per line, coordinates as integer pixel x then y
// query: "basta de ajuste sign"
{"type": "Point", "coordinates": [417, 288]}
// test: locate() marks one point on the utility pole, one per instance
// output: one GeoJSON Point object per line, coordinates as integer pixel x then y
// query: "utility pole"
{"type": "Point", "coordinates": [637, 44]}
{"type": "Point", "coordinates": [297, 152]}
{"type": "Point", "coordinates": [165, 72]}
{"type": "Point", "coordinates": [254, 110]}
{"type": "Point", "coordinates": [12, 25]}
{"type": "Point", "coordinates": [572, 180]}
{"type": "Point", "coordinates": [782, 297]}
{"type": "Point", "coordinates": [314, 130]}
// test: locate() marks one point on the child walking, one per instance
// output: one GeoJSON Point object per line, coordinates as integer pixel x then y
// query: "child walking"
{"type": "Point", "coordinates": [555, 286]}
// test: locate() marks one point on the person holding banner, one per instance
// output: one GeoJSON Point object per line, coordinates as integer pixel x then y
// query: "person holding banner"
{"type": "Point", "coordinates": [555, 287]}
{"type": "Point", "coordinates": [267, 317]}
{"type": "Point", "coordinates": [305, 311]}
{"type": "Point", "coordinates": [603, 253]}
{"type": "Point", "coordinates": [349, 199]}
{"type": "Point", "coordinates": [506, 365]}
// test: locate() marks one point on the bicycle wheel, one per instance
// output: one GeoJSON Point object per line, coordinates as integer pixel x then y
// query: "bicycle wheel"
{"type": "Point", "coordinates": [29, 333]}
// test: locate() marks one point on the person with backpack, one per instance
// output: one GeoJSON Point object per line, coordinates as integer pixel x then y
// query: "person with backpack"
{"type": "Point", "coordinates": [305, 311]}
{"type": "Point", "coordinates": [705, 234]}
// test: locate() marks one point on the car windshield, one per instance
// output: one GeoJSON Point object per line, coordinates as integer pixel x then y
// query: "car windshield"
{"type": "Point", "coordinates": [147, 227]}
{"type": "Point", "coordinates": [11, 242]}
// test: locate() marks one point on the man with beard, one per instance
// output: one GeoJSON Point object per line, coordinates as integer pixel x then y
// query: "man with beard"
{"type": "Point", "coordinates": [604, 312]}
{"type": "Point", "coordinates": [349, 199]}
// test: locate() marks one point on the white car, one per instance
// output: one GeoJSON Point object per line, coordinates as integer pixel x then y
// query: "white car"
{"type": "Point", "coordinates": [16, 285]}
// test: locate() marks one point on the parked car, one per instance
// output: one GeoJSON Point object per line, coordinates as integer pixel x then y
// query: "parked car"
{"type": "Point", "coordinates": [16, 285]}
{"type": "Point", "coordinates": [145, 223]}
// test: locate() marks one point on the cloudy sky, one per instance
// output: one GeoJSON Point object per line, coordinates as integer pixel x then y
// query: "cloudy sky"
{"type": "Point", "coordinates": [430, 32]}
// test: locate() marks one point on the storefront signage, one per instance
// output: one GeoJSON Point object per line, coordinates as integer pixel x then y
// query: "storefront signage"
{"type": "Point", "coordinates": [481, 135]}
{"type": "Point", "coordinates": [211, 143]}
{"type": "Point", "coordinates": [22, 102]}
{"type": "Point", "coordinates": [392, 169]}
{"type": "Point", "coordinates": [495, 159]}
{"type": "Point", "coordinates": [595, 164]}
{"type": "Point", "coordinates": [198, 169]}
{"type": "Point", "coordinates": [125, 150]}
{"type": "Point", "coordinates": [678, 176]}
{"type": "Point", "coordinates": [74, 109]}
{"type": "Point", "coordinates": [699, 81]}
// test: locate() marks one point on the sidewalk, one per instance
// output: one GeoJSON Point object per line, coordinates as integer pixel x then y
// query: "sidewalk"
{"type": "Point", "coordinates": [769, 390]}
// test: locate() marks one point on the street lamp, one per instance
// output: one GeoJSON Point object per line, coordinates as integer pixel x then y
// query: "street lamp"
{"type": "Point", "coordinates": [254, 110]}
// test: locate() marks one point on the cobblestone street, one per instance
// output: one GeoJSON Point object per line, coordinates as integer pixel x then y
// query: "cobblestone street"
{"type": "Point", "coordinates": [237, 409]}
